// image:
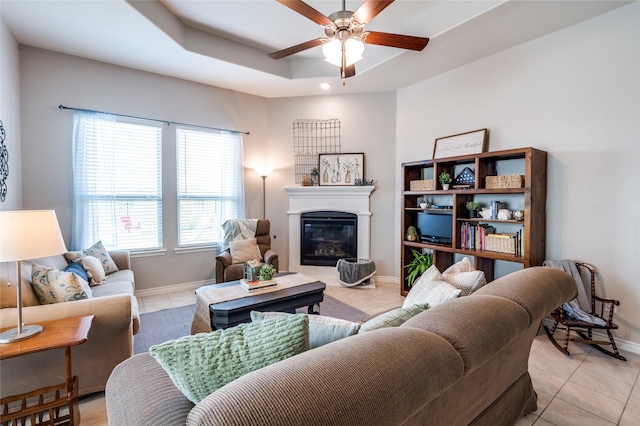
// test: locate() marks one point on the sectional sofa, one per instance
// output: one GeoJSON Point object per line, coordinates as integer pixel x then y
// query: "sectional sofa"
{"type": "Point", "coordinates": [461, 362]}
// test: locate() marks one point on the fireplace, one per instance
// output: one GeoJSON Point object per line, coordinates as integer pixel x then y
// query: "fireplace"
{"type": "Point", "coordinates": [326, 236]}
{"type": "Point", "coordinates": [344, 199]}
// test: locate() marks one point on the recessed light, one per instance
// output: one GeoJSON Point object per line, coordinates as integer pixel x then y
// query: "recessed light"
{"type": "Point", "coordinates": [325, 86]}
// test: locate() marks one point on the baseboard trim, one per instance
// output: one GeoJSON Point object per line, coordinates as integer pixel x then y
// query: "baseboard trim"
{"type": "Point", "coordinates": [621, 343]}
{"type": "Point", "coordinates": [173, 288]}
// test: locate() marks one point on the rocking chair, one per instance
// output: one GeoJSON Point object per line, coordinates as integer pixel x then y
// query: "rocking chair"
{"type": "Point", "coordinates": [598, 306]}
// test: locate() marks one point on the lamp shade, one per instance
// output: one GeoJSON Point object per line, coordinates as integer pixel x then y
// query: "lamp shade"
{"type": "Point", "coordinates": [353, 50]}
{"type": "Point", "coordinates": [29, 234]}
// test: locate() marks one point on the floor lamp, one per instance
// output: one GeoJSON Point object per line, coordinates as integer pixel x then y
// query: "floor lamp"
{"type": "Point", "coordinates": [27, 234]}
{"type": "Point", "coordinates": [263, 174]}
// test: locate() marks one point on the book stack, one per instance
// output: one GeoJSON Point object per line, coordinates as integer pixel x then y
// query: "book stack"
{"type": "Point", "coordinates": [473, 235]}
{"type": "Point", "coordinates": [255, 285]}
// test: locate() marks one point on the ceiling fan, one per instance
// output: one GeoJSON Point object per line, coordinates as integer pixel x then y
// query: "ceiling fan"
{"type": "Point", "coordinates": [344, 42]}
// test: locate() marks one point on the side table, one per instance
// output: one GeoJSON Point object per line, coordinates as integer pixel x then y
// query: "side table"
{"type": "Point", "coordinates": [43, 405]}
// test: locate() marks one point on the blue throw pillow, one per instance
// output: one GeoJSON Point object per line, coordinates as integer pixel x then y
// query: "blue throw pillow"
{"type": "Point", "coordinates": [77, 269]}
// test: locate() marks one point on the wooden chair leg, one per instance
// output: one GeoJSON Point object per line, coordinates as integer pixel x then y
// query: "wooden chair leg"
{"type": "Point", "coordinates": [614, 354]}
{"type": "Point", "coordinates": [553, 340]}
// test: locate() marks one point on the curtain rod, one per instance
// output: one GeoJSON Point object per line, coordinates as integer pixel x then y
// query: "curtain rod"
{"type": "Point", "coordinates": [61, 107]}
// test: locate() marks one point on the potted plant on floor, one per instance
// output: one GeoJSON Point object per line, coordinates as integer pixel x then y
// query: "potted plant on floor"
{"type": "Point", "coordinates": [420, 263]}
{"type": "Point", "coordinates": [445, 180]}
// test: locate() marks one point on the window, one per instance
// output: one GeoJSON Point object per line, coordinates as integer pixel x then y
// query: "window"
{"type": "Point", "coordinates": [210, 184]}
{"type": "Point", "coordinates": [117, 183]}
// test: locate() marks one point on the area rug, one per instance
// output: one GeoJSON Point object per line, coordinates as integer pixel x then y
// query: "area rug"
{"type": "Point", "coordinates": [160, 326]}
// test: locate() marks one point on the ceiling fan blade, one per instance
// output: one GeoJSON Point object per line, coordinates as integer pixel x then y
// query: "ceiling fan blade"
{"type": "Point", "coordinates": [370, 10]}
{"type": "Point", "coordinates": [307, 11]}
{"type": "Point", "coordinates": [350, 71]}
{"type": "Point", "coordinates": [394, 40]}
{"type": "Point", "coordinates": [297, 48]}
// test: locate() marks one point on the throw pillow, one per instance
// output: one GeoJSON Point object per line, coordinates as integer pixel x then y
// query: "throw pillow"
{"type": "Point", "coordinates": [77, 269]}
{"type": "Point", "coordinates": [244, 250]}
{"type": "Point", "coordinates": [431, 288]}
{"type": "Point", "coordinates": [52, 286]}
{"type": "Point", "coordinates": [461, 275]}
{"type": "Point", "coordinates": [203, 363]}
{"type": "Point", "coordinates": [393, 318]}
{"type": "Point", "coordinates": [322, 330]}
{"type": "Point", "coordinates": [99, 252]}
{"type": "Point", "coordinates": [94, 270]}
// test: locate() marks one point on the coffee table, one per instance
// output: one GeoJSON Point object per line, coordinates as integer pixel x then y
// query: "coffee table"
{"type": "Point", "coordinates": [234, 312]}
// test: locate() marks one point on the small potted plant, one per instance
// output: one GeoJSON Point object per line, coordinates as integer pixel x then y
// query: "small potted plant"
{"type": "Point", "coordinates": [445, 180]}
{"type": "Point", "coordinates": [420, 263]}
{"type": "Point", "coordinates": [267, 272]}
{"type": "Point", "coordinates": [472, 206]}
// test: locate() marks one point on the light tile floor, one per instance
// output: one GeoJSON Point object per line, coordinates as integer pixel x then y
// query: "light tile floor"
{"type": "Point", "coordinates": [585, 389]}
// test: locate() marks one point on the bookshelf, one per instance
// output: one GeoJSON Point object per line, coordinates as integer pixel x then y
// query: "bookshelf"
{"type": "Point", "coordinates": [530, 198]}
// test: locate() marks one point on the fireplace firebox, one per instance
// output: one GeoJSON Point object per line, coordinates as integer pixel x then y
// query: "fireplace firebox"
{"type": "Point", "coordinates": [326, 236]}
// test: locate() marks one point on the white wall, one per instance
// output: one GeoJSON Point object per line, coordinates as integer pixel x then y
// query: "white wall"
{"type": "Point", "coordinates": [49, 79]}
{"type": "Point", "coordinates": [575, 94]}
{"type": "Point", "coordinates": [367, 124]}
{"type": "Point", "coordinates": [10, 115]}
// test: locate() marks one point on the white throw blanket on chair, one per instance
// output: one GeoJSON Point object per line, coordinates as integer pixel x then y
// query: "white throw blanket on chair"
{"type": "Point", "coordinates": [576, 307]}
{"type": "Point", "coordinates": [238, 229]}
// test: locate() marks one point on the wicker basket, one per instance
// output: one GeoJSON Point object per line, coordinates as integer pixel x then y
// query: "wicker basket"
{"type": "Point", "coordinates": [422, 185]}
{"type": "Point", "coordinates": [502, 182]}
{"type": "Point", "coordinates": [500, 243]}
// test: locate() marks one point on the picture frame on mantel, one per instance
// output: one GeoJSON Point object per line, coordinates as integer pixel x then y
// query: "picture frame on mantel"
{"type": "Point", "coordinates": [474, 142]}
{"type": "Point", "coordinates": [340, 169]}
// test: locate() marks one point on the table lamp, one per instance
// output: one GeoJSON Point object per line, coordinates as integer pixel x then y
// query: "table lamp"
{"type": "Point", "coordinates": [27, 234]}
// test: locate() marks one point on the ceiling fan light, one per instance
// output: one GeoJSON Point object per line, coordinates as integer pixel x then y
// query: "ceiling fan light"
{"type": "Point", "coordinates": [332, 51]}
{"type": "Point", "coordinates": [353, 50]}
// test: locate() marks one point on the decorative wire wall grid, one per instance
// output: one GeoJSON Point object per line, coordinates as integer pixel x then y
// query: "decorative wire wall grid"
{"type": "Point", "coordinates": [310, 138]}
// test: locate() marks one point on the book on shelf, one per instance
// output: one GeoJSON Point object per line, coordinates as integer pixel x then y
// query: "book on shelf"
{"type": "Point", "coordinates": [255, 285]}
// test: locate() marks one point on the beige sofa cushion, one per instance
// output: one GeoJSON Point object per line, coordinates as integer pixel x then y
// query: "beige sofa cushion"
{"type": "Point", "coordinates": [99, 252]}
{"type": "Point", "coordinates": [53, 286]}
{"type": "Point", "coordinates": [8, 291]}
{"type": "Point", "coordinates": [244, 250]}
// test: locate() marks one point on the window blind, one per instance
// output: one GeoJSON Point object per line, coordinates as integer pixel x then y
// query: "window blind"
{"type": "Point", "coordinates": [210, 184]}
{"type": "Point", "coordinates": [117, 183]}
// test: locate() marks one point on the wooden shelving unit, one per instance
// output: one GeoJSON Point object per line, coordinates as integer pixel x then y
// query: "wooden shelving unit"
{"type": "Point", "coordinates": [531, 198]}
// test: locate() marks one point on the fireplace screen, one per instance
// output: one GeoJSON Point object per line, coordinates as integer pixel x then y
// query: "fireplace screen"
{"type": "Point", "coordinates": [327, 236]}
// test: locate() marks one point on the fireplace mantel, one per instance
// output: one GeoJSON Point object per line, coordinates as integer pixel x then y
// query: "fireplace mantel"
{"type": "Point", "coordinates": [349, 199]}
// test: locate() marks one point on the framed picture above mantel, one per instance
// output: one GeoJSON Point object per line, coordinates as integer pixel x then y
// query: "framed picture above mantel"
{"type": "Point", "coordinates": [474, 142]}
{"type": "Point", "coordinates": [340, 169]}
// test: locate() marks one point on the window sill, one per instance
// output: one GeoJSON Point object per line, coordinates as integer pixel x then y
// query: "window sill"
{"type": "Point", "coordinates": [148, 253]}
{"type": "Point", "coordinates": [196, 249]}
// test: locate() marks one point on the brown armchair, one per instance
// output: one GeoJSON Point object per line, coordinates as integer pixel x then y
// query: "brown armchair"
{"type": "Point", "coordinates": [227, 271]}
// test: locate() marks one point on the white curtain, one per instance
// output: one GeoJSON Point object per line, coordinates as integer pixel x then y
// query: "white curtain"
{"type": "Point", "coordinates": [88, 129]}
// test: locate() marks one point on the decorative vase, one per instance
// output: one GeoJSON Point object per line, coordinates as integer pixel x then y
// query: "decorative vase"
{"type": "Point", "coordinates": [325, 176]}
{"type": "Point", "coordinates": [305, 180]}
{"type": "Point", "coordinates": [412, 234]}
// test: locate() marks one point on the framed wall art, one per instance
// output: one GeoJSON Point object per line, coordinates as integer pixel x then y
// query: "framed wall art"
{"type": "Point", "coordinates": [474, 142]}
{"type": "Point", "coordinates": [340, 169]}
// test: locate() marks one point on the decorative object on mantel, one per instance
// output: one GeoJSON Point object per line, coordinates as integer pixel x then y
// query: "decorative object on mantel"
{"type": "Point", "coordinates": [363, 182]}
{"type": "Point", "coordinates": [474, 142]}
{"type": "Point", "coordinates": [4, 164]}
{"type": "Point", "coordinates": [314, 177]}
{"type": "Point", "coordinates": [341, 169]}
{"type": "Point", "coordinates": [310, 138]}
{"type": "Point", "coordinates": [445, 180]}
